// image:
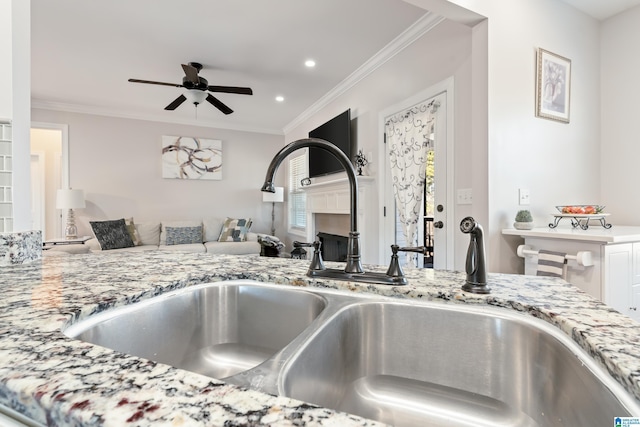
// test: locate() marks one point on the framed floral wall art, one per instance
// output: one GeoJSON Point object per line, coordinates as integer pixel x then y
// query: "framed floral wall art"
{"type": "Point", "coordinates": [553, 86]}
{"type": "Point", "coordinates": [186, 157]}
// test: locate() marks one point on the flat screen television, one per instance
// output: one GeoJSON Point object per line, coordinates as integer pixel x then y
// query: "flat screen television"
{"type": "Point", "coordinates": [338, 132]}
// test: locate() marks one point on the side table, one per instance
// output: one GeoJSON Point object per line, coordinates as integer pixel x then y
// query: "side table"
{"type": "Point", "coordinates": [73, 246]}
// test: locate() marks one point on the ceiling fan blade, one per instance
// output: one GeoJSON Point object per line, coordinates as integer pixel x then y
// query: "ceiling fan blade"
{"type": "Point", "coordinates": [176, 103]}
{"type": "Point", "coordinates": [218, 104]}
{"type": "Point", "coordinates": [191, 73]}
{"type": "Point", "coordinates": [154, 83]}
{"type": "Point", "coordinates": [231, 89]}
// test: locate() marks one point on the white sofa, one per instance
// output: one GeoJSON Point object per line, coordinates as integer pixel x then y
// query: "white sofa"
{"type": "Point", "coordinates": [153, 236]}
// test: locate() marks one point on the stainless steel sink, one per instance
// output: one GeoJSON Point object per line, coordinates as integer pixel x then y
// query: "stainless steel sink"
{"type": "Point", "coordinates": [411, 365]}
{"type": "Point", "coordinates": [403, 363]}
{"type": "Point", "coordinates": [217, 330]}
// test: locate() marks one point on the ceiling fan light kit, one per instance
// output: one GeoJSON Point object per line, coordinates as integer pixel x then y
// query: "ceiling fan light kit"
{"type": "Point", "coordinates": [196, 96]}
{"type": "Point", "coordinates": [197, 88]}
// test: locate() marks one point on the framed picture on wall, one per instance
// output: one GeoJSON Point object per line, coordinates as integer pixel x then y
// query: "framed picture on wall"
{"type": "Point", "coordinates": [553, 86]}
{"type": "Point", "coordinates": [191, 158]}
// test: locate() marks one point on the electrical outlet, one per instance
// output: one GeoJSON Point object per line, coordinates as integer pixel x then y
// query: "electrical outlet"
{"type": "Point", "coordinates": [523, 195]}
{"type": "Point", "coordinates": [464, 196]}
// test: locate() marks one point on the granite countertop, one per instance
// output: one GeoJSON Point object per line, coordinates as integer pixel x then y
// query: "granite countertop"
{"type": "Point", "coordinates": [60, 381]}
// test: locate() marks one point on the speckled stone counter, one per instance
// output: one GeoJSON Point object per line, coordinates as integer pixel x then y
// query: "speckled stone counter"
{"type": "Point", "coordinates": [20, 248]}
{"type": "Point", "coordinates": [59, 381]}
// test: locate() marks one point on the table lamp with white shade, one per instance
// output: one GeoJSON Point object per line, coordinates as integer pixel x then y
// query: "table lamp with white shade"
{"type": "Point", "coordinates": [70, 199]}
{"type": "Point", "coordinates": [277, 197]}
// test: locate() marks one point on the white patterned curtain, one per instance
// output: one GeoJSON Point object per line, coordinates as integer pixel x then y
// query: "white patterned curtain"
{"type": "Point", "coordinates": [408, 140]}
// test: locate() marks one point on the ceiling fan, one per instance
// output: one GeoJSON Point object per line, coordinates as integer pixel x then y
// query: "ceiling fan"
{"type": "Point", "coordinates": [196, 89]}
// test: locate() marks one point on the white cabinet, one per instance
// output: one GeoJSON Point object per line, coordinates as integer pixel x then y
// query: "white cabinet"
{"type": "Point", "coordinates": [618, 268]}
{"type": "Point", "coordinates": [634, 309]}
{"type": "Point", "coordinates": [636, 263]}
{"type": "Point", "coordinates": [614, 277]}
{"type": "Point", "coordinates": [621, 278]}
{"type": "Point", "coordinates": [635, 302]}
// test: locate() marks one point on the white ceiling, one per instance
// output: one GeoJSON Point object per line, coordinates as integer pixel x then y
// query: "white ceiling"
{"type": "Point", "coordinates": [602, 9]}
{"type": "Point", "coordinates": [83, 53]}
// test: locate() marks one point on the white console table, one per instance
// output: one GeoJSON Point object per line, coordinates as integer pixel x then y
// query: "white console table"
{"type": "Point", "coordinates": [613, 277]}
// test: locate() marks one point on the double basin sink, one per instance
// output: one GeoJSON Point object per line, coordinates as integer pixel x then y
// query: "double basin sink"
{"type": "Point", "coordinates": [399, 362]}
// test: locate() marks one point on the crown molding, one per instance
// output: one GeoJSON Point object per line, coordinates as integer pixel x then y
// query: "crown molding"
{"type": "Point", "coordinates": [419, 28]}
{"type": "Point", "coordinates": [98, 111]}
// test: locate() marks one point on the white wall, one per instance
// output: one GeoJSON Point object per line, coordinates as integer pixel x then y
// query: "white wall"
{"type": "Point", "coordinates": [558, 163]}
{"type": "Point", "coordinates": [443, 52]}
{"type": "Point", "coordinates": [6, 49]}
{"type": "Point", "coordinates": [620, 89]}
{"type": "Point", "coordinates": [118, 163]}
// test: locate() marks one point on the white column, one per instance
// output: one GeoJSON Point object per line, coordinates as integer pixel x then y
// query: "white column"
{"type": "Point", "coordinates": [21, 119]}
{"type": "Point", "coordinates": [15, 100]}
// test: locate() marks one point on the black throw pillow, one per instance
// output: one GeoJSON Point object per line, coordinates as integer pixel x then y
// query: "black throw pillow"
{"type": "Point", "coordinates": [112, 234]}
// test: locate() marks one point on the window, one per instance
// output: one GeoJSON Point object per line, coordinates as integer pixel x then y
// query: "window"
{"type": "Point", "coordinates": [298, 171]}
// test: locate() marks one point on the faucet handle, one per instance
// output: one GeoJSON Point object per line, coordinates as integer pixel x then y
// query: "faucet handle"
{"type": "Point", "coordinates": [418, 249]}
{"type": "Point", "coordinates": [395, 270]}
{"type": "Point", "coordinates": [297, 244]}
{"type": "Point", "coordinates": [316, 261]}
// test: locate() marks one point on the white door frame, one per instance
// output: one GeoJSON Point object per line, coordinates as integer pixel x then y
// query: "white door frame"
{"type": "Point", "coordinates": [64, 162]}
{"type": "Point", "coordinates": [64, 129]}
{"type": "Point", "coordinates": [385, 196]}
{"type": "Point", "coordinates": [38, 191]}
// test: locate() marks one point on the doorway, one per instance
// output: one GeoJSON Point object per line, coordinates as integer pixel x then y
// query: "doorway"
{"type": "Point", "coordinates": [435, 222]}
{"type": "Point", "coordinates": [38, 185]}
{"type": "Point", "coordinates": [49, 171]}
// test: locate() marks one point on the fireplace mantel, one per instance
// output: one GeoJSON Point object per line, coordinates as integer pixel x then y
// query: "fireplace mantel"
{"type": "Point", "coordinates": [332, 197]}
{"type": "Point", "coordinates": [362, 180]}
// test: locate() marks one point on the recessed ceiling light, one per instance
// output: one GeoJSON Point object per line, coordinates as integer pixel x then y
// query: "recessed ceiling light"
{"type": "Point", "coordinates": [279, 98]}
{"type": "Point", "coordinates": [310, 63]}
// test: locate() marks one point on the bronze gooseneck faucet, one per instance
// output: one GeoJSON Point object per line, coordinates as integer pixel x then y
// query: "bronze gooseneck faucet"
{"type": "Point", "coordinates": [353, 270]}
{"type": "Point", "coordinates": [354, 264]}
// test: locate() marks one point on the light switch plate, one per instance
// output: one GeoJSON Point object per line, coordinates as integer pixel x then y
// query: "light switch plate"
{"type": "Point", "coordinates": [464, 196]}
